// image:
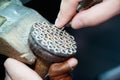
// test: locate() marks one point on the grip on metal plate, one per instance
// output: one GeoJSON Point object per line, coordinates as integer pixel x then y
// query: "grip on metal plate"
{"type": "Point", "coordinates": [56, 43]}
{"type": "Point", "coordinates": [50, 44]}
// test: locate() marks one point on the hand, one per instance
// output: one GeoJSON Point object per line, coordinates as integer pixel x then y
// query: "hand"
{"type": "Point", "coordinates": [16, 70]}
{"type": "Point", "coordinates": [90, 17]}
{"type": "Point", "coordinates": [61, 71]}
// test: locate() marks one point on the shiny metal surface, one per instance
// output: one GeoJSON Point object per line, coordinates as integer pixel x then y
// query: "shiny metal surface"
{"type": "Point", "coordinates": [53, 39]}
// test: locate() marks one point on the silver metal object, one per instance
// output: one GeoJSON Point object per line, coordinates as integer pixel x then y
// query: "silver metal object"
{"type": "Point", "coordinates": [16, 21]}
{"type": "Point", "coordinates": [52, 39]}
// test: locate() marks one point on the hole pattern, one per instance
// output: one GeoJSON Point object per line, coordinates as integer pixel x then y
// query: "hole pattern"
{"type": "Point", "coordinates": [53, 39]}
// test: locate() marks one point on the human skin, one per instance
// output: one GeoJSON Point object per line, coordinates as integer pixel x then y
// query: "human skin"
{"type": "Point", "coordinates": [16, 70]}
{"type": "Point", "coordinates": [84, 18]}
{"type": "Point", "coordinates": [103, 11]}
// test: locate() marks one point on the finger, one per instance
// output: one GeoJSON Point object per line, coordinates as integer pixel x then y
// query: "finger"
{"type": "Point", "coordinates": [96, 14]}
{"type": "Point", "coordinates": [19, 71]}
{"type": "Point", "coordinates": [63, 67]}
{"type": "Point", "coordinates": [67, 11]}
{"type": "Point", "coordinates": [7, 77]}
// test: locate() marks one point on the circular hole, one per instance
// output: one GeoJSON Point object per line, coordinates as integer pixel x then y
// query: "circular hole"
{"type": "Point", "coordinates": [49, 47]}
{"type": "Point", "coordinates": [63, 51]}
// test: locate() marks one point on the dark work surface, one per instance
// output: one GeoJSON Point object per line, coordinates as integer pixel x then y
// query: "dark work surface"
{"type": "Point", "coordinates": [98, 47]}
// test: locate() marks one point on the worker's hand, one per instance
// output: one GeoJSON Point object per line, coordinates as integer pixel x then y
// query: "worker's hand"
{"type": "Point", "coordinates": [61, 71]}
{"type": "Point", "coordinates": [90, 17]}
{"type": "Point", "coordinates": [16, 70]}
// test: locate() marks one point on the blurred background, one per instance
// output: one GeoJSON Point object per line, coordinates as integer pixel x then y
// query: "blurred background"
{"type": "Point", "coordinates": [98, 47]}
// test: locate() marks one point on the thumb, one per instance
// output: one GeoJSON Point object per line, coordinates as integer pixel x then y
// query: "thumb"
{"type": "Point", "coordinates": [96, 14]}
{"type": "Point", "coordinates": [19, 71]}
{"type": "Point", "coordinates": [61, 68]}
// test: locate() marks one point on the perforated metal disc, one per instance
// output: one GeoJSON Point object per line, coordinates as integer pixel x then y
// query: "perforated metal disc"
{"type": "Point", "coordinates": [52, 39]}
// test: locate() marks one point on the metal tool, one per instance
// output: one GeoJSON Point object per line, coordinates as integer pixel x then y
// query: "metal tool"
{"type": "Point", "coordinates": [27, 36]}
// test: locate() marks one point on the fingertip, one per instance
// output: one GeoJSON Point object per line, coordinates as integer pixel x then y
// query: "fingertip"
{"type": "Point", "coordinates": [8, 61]}
{"type": "Point", "coordinates": [57, 23]}
{"type": "Point", "coordinates": [73, 62]}
{"type": "Point", "coordinates": [76, 24]}
{"type": "Point", "coordinates": [60, 22]}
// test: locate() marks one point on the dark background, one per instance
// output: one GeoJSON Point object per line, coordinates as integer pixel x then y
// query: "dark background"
{"type": "Point", "coordinates": [98, 47]}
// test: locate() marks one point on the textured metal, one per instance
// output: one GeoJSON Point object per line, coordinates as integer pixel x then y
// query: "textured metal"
{"type": "Point", "coordinates": [53, 39]}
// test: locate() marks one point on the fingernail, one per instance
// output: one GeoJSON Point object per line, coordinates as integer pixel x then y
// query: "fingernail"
{"type": "Point", "coordinates": [60, 22]}
{"type": "Point", "coordinates": [72, 62]}
{"type": "Point", "coordinates": [57, 23]}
